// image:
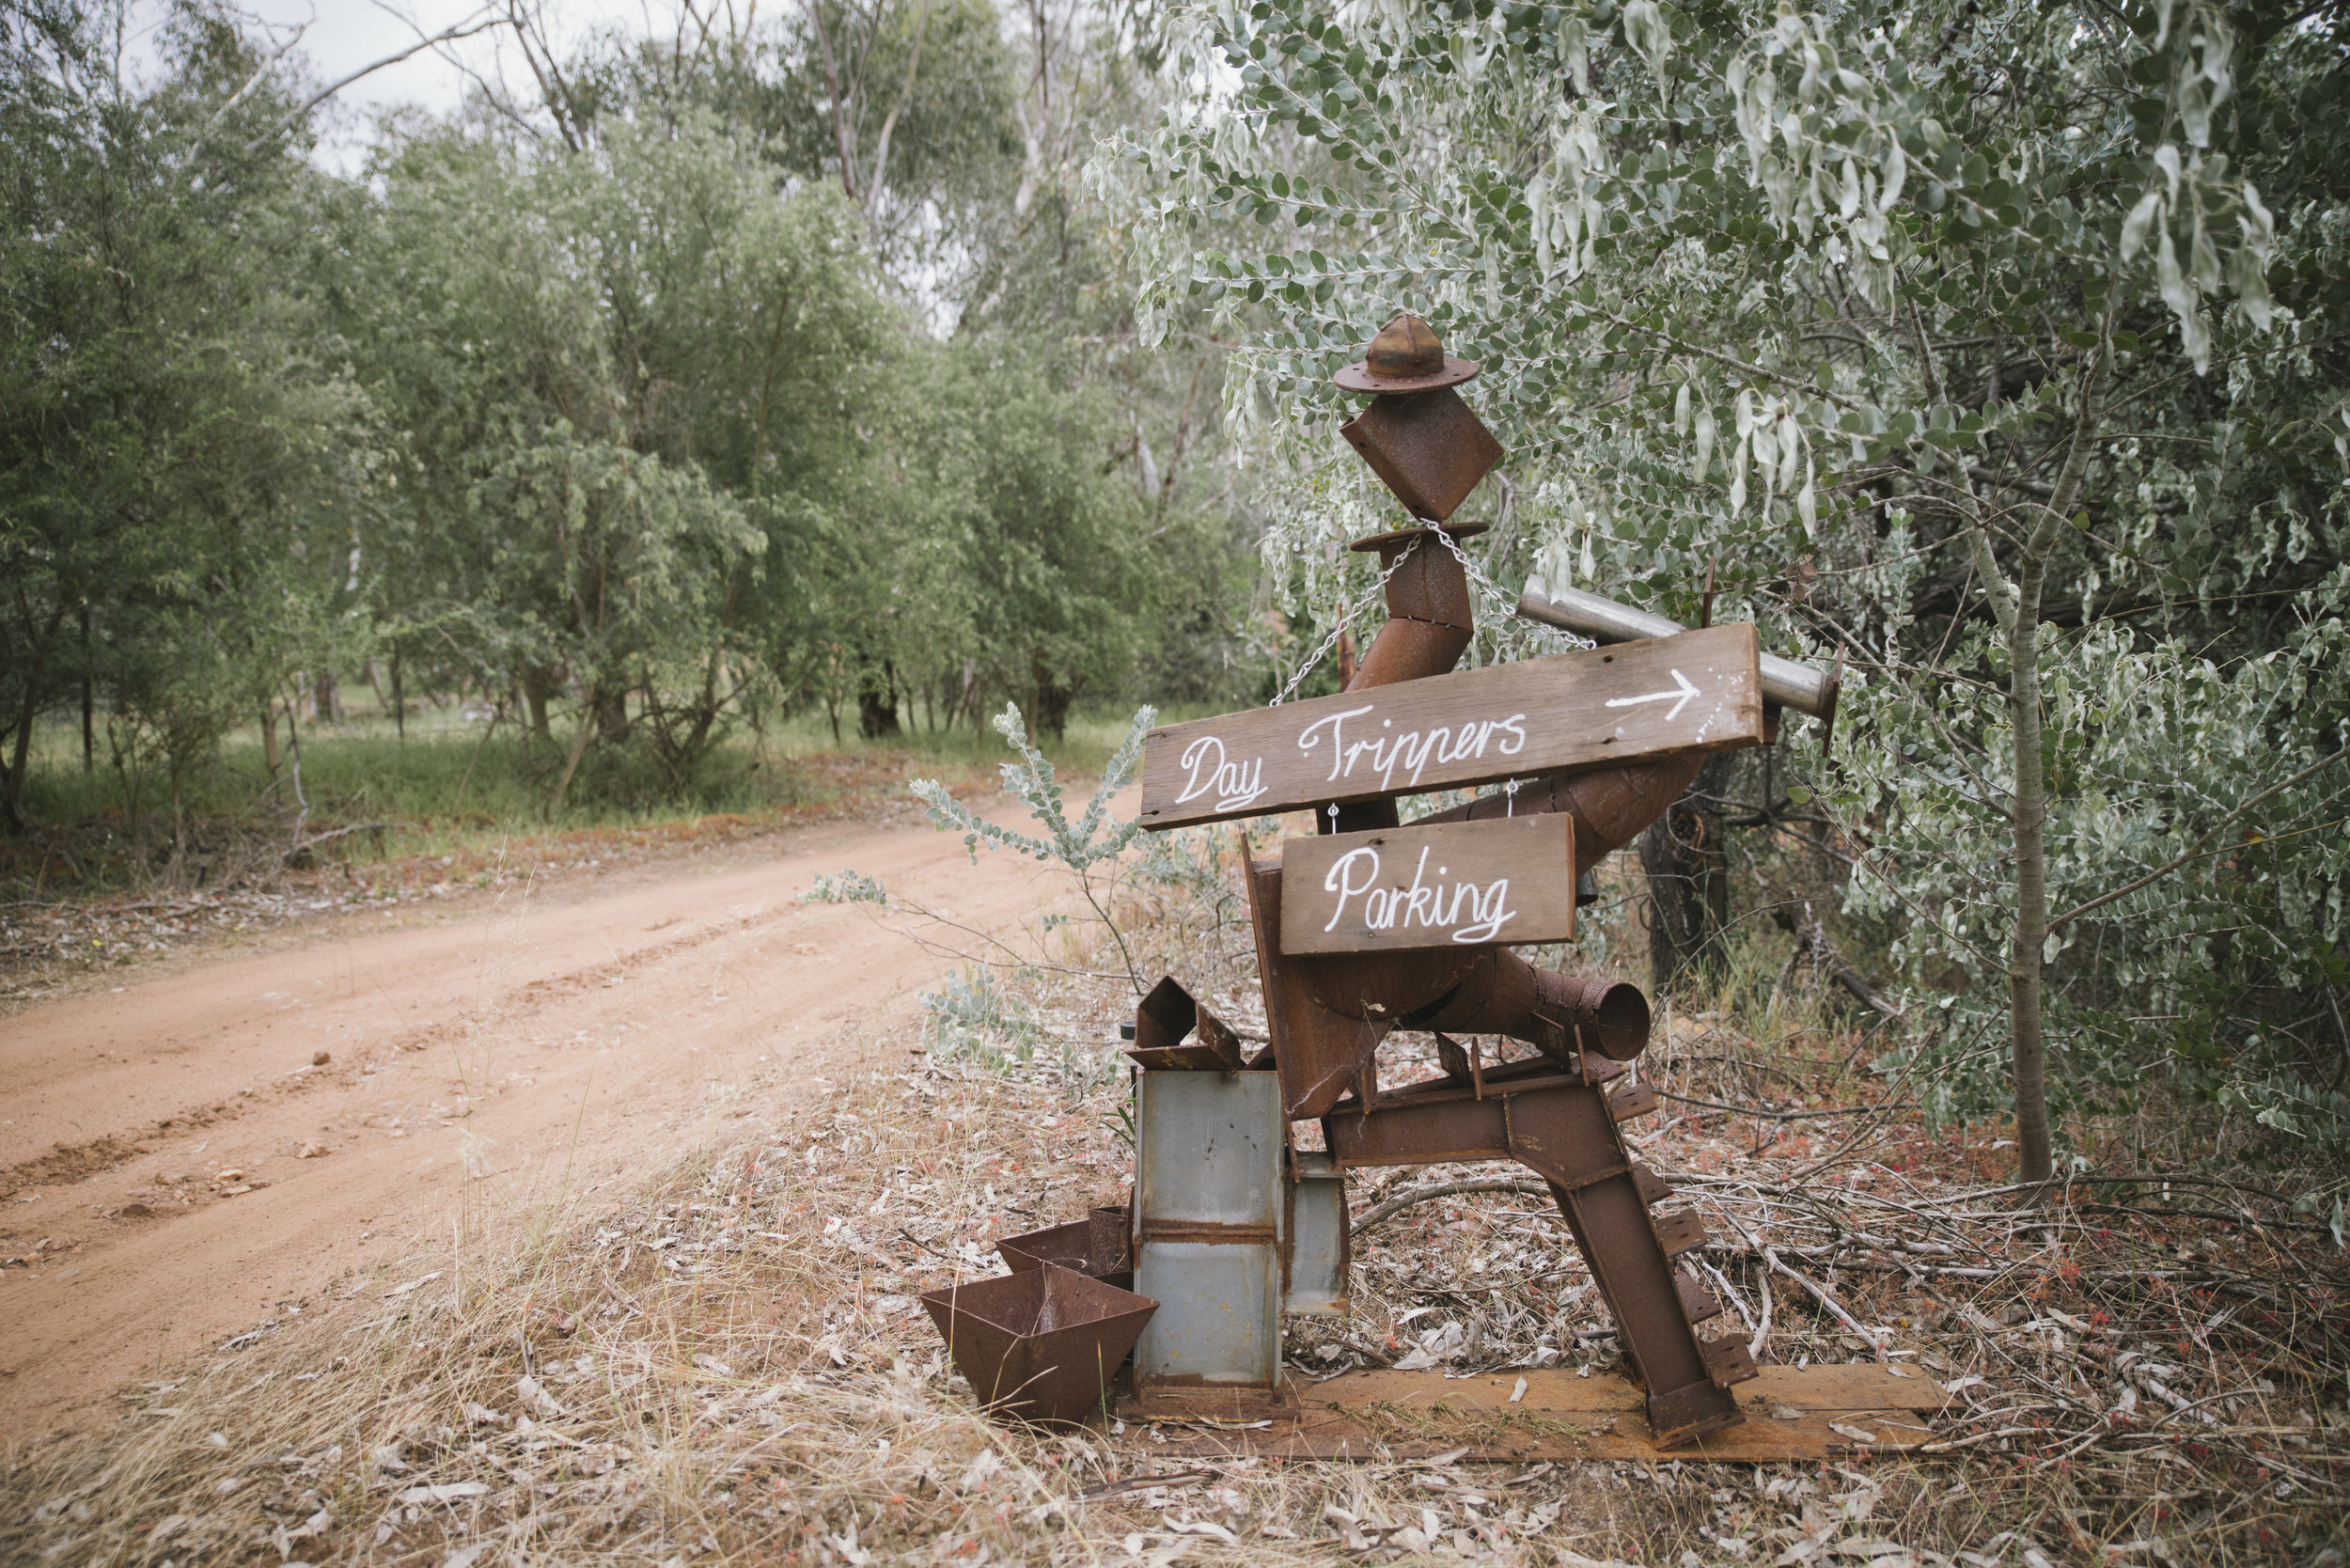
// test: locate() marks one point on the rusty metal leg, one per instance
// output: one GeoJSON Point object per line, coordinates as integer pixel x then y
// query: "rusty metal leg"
{"type": "Point", "coordinates": [1565, 1131]}
{"type": "Point", "coordinates": [1655, 1310]}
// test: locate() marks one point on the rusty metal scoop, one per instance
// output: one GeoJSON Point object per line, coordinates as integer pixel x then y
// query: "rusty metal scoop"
{"type": "Point", "coordinates": [1039, 1345]}
{"type": "Point", "coordinates": [1095, 1245]}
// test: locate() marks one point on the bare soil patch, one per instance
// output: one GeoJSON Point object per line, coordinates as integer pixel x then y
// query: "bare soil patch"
{"type": "Point", "coordinates": [219, 1137]}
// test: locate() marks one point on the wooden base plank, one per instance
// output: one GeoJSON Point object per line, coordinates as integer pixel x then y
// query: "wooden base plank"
{"type": "Point", "coordinates": [1822, 1413]}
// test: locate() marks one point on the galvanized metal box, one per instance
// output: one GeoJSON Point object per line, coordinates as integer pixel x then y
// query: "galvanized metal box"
{"type": "Point", "coordinates": [1211, 1225]}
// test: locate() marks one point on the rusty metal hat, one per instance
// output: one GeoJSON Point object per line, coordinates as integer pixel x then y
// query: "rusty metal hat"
{"type": "Point", "coordinates": [1404, 357]}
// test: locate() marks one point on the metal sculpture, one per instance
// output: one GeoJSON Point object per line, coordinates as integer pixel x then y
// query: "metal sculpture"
{"type": "Point", "coordinates": [1383, 925]}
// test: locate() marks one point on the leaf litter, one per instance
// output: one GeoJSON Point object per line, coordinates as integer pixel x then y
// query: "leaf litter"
{"type": "Point", "coordinates": [731, 1366]}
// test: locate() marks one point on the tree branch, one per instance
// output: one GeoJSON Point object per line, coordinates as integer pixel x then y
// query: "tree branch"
{"type": "Point", "coordinates": [832, 91]}
{"type": "Point", "coordinates": [889, 121]}
{"type": "Point", "coordinates": [2198, 852]}
{"type": "Point", "coordinates": [462, 30]}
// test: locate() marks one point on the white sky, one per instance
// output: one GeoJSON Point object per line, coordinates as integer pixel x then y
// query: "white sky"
{"type": "Point", "coordinates": [341, 36]}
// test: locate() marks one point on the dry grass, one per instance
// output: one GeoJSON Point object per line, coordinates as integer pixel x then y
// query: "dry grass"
{"type": "Point", "coordinates": [731, 1367]}
{"type": "Point", "coordinates": [50, 943]}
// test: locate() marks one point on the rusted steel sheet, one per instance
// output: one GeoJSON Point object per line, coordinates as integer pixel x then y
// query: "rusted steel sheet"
{"type": "Point", "coordinates": [1653, 1189]}
{"type": "Point", "coordinates": [1170, 1014]}
{"type": "Point", "coordinates": [1096, 1245]}
{"type": "Point", "coordinates": [1317, 1052]}
{"type": "Point", "coordinates": [1463, 884]}
{"type": "Point", "coordinates": [1635, 1099]}
{"type": "Point", "coordinates": [1069, 1245]}
{"type": "Point", "coordinates": [1041, 1344]}
{"type": "Point", "coordinates": [1567, 1135]}
{"type": "Point", "coordinates": [1425, 447]}
{"type": "Point", "coordinates": [1692, 693]}
{"type": "Point", "coordinates": [1679, 1232]}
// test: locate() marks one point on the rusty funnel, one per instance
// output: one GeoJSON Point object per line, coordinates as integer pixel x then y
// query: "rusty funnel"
{"type": "Point", "coordinates": [1040, 1345]}
{"type": "Point", "coordinates": [1096, 1245]}
{"type": "Point", "coordinates": [1069, 1245]}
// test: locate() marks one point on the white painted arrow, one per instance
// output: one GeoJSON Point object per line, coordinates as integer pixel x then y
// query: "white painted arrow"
{"type": "Point", "coordinates": [1684, 694]}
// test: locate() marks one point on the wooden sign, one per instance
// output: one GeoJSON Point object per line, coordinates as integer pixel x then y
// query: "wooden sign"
{"type": "Point", "coordinates": [1699, 691]}
{"type": "Point", "coordinates": [1501, 880]}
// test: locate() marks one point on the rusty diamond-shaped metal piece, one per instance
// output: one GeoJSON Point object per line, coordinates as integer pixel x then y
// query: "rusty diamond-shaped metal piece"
{"type": "Point", "coordinates": [1427, 448]}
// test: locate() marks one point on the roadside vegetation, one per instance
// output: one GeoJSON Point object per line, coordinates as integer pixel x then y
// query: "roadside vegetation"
{"type": "Point", "coordinates": [730, 1365]}
{"type": "Point", "coordinates": [709, 428]}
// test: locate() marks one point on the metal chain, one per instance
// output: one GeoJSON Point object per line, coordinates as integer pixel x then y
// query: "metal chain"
{"type": "Point", "coordinates": [1314, 661]}
{"type": "Point", "coordinates": [1484, 584]}
{"type": "Point", "coordinates": [1507, 606]}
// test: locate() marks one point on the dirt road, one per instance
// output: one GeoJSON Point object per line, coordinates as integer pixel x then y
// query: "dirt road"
{"type": "Point", "coordinates": [174, 1170]}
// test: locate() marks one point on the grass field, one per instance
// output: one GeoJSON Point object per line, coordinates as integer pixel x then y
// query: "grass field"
{"type": "Point", "coordinates": [453, 783]}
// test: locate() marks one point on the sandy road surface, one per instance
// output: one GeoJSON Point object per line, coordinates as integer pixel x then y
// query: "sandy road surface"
{"type": "Point", "coordinates": [504, 1051]}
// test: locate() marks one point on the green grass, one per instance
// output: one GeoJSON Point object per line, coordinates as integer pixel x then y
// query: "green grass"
{"type": "Point", "coordinates": [443, 789]}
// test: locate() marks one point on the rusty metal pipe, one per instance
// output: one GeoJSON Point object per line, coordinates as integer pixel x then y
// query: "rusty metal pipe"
{"type": "Point", "coordinates": [1502, 993]}
{"type": "Point", "coordinates": [1430, 619]}
{"type": "Point", "coordinates": [1430, 622]}
{"type": "Point", "coordinates": [1610, 807]}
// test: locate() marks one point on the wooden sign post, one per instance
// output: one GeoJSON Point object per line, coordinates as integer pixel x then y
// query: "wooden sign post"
{"type": "Point", "coordinates": [1411, 927]}
{"type": "Point", "coordinates": [1507, 880]}
{"type": "Point", "coordinates": [1601, 707]}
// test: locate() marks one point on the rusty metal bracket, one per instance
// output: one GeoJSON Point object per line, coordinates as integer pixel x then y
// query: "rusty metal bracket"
{"type": "Point", "coordinates": [1567, 1135]}
{"type": "Point", "coordinates": [1169, 1014]}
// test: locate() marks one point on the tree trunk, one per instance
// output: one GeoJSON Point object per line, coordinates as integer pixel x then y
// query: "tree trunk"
{"type": "Point", "coordinates": [268, 736]}
{"type": "Point", "coordinates": [611, 710]}
{"type": "Point", "coordinates": [583, 731]}
{"type": "Point", "coordinates": [1051, 703]}
{"type": "Point", "coordinates": [22, 761]}
{"type": "Point", "coordinates": [90, 702]}
{"type": "Point", "coordinates": [2019, 608]}
{"type": "Point", "coordinates": [2033, 1145]}
{"type": "Point", "coordinates": [1685, 855]}
{"type": "Point", "coordinates": [400, 702]}
{"type": "Point", "coordinates": [537, 686]}
{"type": "Point", "coordinates": [877, 703]}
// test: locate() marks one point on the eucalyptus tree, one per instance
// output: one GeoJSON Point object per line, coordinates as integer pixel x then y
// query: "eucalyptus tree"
{"type": "Point", "coordinates": [179, 465]}
{"type": "Point", "coordinates": [628, 379]}
{"type": "Point", "coordinates": [1996, 344]}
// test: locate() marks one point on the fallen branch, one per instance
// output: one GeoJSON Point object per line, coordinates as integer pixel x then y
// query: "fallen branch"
{"type": "Point", "coordinates": [1144, 1483]}
{"type": "Point", "coordinates": [1811, 937]}
{"type": "Point", "coordinates": [1827, 1300]}
{"type": "Point", "coordinates": [1780, 1116]}
{"type": "Point", "coordinates": [318, 838]}
{"type": "Point", "coordinates": [1401, 1201]}
{"type": "Point", "coordinates": [1979, 1437]}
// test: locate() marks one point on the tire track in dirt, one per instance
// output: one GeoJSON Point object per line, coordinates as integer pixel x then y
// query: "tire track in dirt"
{"type": "Point", "coordinates": [65, 1164]}
{"type": "Point", "coordinates": [177, 1169]}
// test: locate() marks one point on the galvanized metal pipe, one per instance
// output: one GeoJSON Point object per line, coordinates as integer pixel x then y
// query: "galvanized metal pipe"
{"type": "Point", "coordinates": [1784, 681]}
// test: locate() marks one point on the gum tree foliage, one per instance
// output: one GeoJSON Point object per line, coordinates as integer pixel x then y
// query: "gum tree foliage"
{"type": "Point", "coordinates": [628, 402]}
{"type": "Point", "coordinates": [1998, 343]}
{"type": "Point", "coordinates": [980, 542]}
{"type": "Point", "coordinates": [635, 404]}
{"type": "Point", "coordinates": [181, 454]}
